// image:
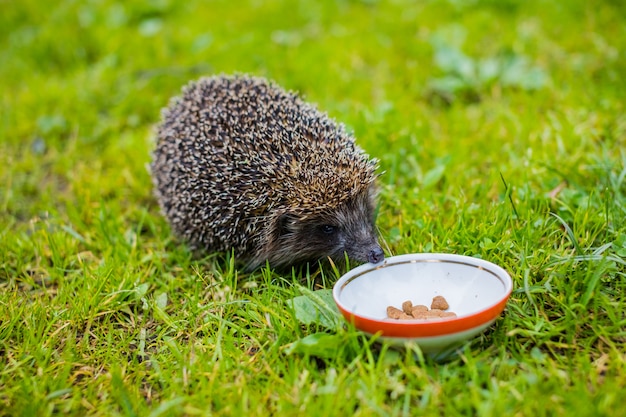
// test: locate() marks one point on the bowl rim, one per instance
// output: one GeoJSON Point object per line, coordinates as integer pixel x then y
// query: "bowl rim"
{"type": "Point", "coordinates": [431, 328]}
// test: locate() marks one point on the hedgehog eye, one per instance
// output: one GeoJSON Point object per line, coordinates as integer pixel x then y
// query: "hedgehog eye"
{"type": "Point", "coordinates": [328, 229]}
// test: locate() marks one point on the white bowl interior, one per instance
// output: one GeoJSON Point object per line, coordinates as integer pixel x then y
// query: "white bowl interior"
{"type": "Point", "coordinates": [469, 285]}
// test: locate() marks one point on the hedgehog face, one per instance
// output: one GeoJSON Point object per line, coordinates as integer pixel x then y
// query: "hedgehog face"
{"type": "Point", "coordinates": [347, 229]}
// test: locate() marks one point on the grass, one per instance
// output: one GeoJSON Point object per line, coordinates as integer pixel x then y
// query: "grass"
{"type": "Point", "coordinates": [501, 132]}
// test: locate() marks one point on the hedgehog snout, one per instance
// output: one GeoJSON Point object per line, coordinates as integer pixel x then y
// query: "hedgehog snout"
{"type": "Point", "coordinates": [366, 250]}
{"type": "Point", "coordinates": [375, 255]}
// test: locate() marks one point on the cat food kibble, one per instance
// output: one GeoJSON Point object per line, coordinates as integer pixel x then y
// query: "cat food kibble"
{"type": "Point", "coordinates": [396, 313]}
{"type": "Point", "coordinates": [421, 312]}
{"type": "Point", "coordinates": [439, 303]}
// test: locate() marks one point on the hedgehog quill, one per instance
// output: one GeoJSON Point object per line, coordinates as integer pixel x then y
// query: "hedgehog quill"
{"type": "Point", "coordinates": [241, 164]}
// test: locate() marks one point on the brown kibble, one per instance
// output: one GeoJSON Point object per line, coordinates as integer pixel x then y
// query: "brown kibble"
{"type": "Point", "coordinates": [393, 313]}
{"type": "Point", "coordinates": [433, 318]}
{"type": "Point", "coordinates": [407, 307]}
{"type": "Point", "coordinates": [396, 313]}
{"type": "Point", "coordinates": [421, 312]}
{"type": "Point", "coordinates": [439, 303]}
{"type": "Point", "coordinates": [418, 310]}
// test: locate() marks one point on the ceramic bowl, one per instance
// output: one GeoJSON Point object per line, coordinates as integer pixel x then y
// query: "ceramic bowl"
{"type": "Point", "coordinates": [476, 290]}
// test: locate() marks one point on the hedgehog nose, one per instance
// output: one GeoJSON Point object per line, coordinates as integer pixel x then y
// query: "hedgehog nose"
{"type": "Point", "coordinates": [376, 255]}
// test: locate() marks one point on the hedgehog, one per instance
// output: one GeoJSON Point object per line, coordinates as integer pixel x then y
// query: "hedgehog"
{"type": "Point", "coordinates": [242, 165]}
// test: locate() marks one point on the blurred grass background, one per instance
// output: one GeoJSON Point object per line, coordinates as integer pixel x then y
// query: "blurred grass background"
{"type": "Point", "coordinates": [501, 132]}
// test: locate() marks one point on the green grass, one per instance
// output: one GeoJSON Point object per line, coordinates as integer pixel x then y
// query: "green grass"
{"type": "Point", "coordinates": [501, 131]}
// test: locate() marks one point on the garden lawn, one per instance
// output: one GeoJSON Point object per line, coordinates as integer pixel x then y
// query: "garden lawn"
{"type": "Point", "coordinates": [501, 132]}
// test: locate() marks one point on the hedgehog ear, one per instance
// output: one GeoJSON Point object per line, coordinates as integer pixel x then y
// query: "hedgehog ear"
{"type": "Point", "coordinates": [282, 224]}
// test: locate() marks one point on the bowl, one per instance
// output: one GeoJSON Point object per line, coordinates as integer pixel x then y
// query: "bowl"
{"type": "Point", "coordinates": [476, 290]}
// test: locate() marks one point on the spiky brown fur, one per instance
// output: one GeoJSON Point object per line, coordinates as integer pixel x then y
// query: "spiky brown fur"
{"type": "Point", "coordinates": [242, 164]}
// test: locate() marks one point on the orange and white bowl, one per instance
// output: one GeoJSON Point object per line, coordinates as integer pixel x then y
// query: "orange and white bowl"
{"type": "Point", "coordinates": [476, 290]}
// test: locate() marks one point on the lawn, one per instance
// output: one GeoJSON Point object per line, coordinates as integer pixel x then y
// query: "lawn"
{"type": "Point", "coordinates": [500, 127]}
